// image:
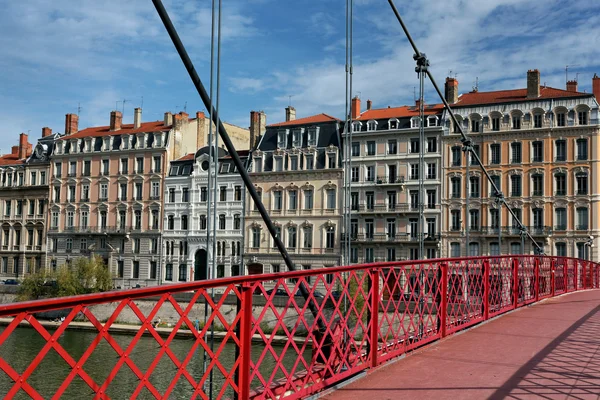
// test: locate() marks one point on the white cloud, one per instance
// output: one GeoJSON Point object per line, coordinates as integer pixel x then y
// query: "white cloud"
{"type": "Point", "coordinates": [251, 85]}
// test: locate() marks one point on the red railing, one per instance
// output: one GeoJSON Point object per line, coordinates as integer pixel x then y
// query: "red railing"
{"type": "Point", "coordinates": [266, 345]}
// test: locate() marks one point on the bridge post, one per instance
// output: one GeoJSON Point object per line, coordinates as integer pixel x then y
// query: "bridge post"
{"type": "Point", "coordinates": [374, 320]}
{"type": "Point", "coordinates": [536, 270]}
{"type": "Point", "coordinates": [552, 278]}
{"type": "Point", "coordinates": [515, 282]}
{"type": "Point", "coordinates": [584, 273]}
{"type": "Point", "coordinates": [575, 275]}
{"type": "Point", "coordinates": [565, 275]}
{"type": "Point", "coordinates": [245, 342]}
{"type": "Point", "coordinates": [486, 289]}
{"type": "Point", "coordinates": [443, 310]}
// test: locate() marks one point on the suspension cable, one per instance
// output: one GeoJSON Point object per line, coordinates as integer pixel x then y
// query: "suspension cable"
{"type": "Point", "coordinates": [465, 139]}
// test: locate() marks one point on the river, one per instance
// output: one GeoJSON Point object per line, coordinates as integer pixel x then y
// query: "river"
{"type": "Point", "coordinates": [24, 344]}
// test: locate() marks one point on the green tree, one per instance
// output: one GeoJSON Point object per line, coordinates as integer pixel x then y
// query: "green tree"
{"type": "Point", "coordinates": [85, 275]}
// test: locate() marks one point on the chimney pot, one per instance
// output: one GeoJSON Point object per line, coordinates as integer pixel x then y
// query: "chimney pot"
{"type": "Point", "coordinates": [369, 104]}
{"type": "Point", "coordinates": [355, 110]}
{"type": "Point", "coordinates": [137, 118]}
{"type": "Point", "coordinates": [168, 119]}
{"type": "Point", "coordinates": [116, 120]}
{"type": "Point", "coordinates": [258, 125]}
{"type": "Point", "coordinates": [200, 115]}
{"type": "Point", "coordinates": [596, 87]}
{"type": "Point", "coordinates": [23, 146]}
{"type": "Point", "coordinates": [533, 84]}
{"type": "Point", "coordinates": [14, 150]}
{"type": "Point", "coordinates": [71, 124]}
{"type": "Point", "coordinates": [451, 90]}
{"type": "Point", "coordinates": [46, 132]}
{"type": "Point", "coordinates": [290, 114]}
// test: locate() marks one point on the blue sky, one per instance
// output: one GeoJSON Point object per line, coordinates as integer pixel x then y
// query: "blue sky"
{"type": "Point", "coordinates": [58, 54]}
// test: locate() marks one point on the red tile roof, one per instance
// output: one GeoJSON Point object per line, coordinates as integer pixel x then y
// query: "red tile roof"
{"type": "Point", "coordinates": [187, 157]}
{"type": "Point", "coordinates": [11, 159]}
{"type": "Point", "coordinates": [512, 96]}
{"type": "Point", "coordinates": [308, 120]}
{"type": "Point", "coordinates": [126, 129]}
{"type": "Point", "coordinates": [399, 112]}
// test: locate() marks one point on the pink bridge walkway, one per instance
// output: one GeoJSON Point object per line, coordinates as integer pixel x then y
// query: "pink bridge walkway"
{"type": "Point", "coordinates": [549, 350]}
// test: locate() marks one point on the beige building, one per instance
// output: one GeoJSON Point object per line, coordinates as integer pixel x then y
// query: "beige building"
{"type": "Point", "coordinates": [107, 191]}
{"type": "Point", "coordinates": [24, 177]}
{"type": "Point", "coordinates": [540, 145]}
{"type": "Point", "coordinates": [384, 183]}
{"type": "Point", "coordinates": [296, 169]}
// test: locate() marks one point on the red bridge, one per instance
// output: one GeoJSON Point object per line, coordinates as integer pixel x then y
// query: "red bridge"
{"type": "Point", "coordinates": [256, 343]}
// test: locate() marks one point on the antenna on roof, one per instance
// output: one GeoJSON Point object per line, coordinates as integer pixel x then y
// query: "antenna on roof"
{"type": "Point", "coordinates": [359, 94]}
{"type": "Point", "coordinates": [567, 71]}
{"type": "Point", "coordinates": [124, 101]}
{"type": "Point", "coordinates": [290, 98]}
{"type": "Point", "coordinates": [185, 107]}
{"type": "Point", "coordinates": [577, 77]}
{"type": "Point", "coordinates": [476, 87]}
{"type": "Point", "coordinates": [414, 93]}
{"type": "Point", "coordinates": [78, 109]}
{"type": "Point", "coordinates": [142, 105]}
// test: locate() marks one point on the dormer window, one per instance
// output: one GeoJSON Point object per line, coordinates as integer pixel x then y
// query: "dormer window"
{"type": "Point", "coordinates": [281, 139]}
{"type": "Point", "coordinates": [414, 122]}
{"type": "Point", "coordinates": [582, 117]}
{"type": "Point", "coordinates": [356, 127]}
{"type": "Point", "coordinates": [432, 121]}
{"type": "Point", "coordinates": [125, 142]}
{"type": "Point", "coordinates": [371, 125]}
{"type": "Point", "coordinates": [158, 139]}
{"type": "Point", "coordinates": [393, 124]}
{"type": "Point", "coordinates": [313, 133]}
{"type": "Point", "coordinates": [296, 137]}
{"type": "Point", "coordinates": [224, 168]}
{"type": "Point", "coordinates": [278, 164]}
{"type": "Point", "coordinates": [88, 145]}
{"type": "Point", "coordinates": [258, 164]}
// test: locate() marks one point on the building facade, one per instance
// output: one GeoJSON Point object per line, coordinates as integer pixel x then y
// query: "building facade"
{"type": "Point", "coordinates": [106, 191]}
{"type": "Point", "coordinates": [540, 145]}
{"type": "Point", "coordinates": [187, 255]}
{"type": "Point", "coordinates": [24, 189]}
{"type": "Point", "coordinates": [297, 171]}
{"type": "Point", "coordinates": [384, 183]}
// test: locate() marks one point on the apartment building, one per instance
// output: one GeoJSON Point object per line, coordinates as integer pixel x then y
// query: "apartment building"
{"type": "Point", "coordinates": [384, 183]}
{"type": "Point", "coordinates": [297, 170]}
{"type": "Point", "coordinates": [186, 249]}
{"type": "Point", "coordinates": [24, 175]}
{"type": "Point", "coordinates": [107, 188]}
{"type": "Point", "coordinates": [540, 145]}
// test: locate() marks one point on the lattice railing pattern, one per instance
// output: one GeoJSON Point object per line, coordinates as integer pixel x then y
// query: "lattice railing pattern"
{"type": "Point", "coordinates": [258, 338]}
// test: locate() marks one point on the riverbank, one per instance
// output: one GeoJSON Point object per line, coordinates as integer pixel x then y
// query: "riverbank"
{"type": "Point", "coordinates": [132, 330]}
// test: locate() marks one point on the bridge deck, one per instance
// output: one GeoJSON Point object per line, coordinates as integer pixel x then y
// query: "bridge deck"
{"type": "Point", "coordinates": [549, 350]}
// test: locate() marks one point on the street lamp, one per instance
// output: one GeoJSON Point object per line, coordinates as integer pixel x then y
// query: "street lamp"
{"type": "Point", "coordinates": [590, 243]}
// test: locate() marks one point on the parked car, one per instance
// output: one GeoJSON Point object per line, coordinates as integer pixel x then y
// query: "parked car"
{"type": "Point", "coordinates": [278, 292]}
{"type": "Point", "coordinates": [11, 282]}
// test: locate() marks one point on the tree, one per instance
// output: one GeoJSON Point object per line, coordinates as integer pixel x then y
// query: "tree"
{"type": "Point", "coordinates": [85, 275]}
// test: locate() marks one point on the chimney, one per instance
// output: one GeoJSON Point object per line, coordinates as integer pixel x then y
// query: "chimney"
{"type": "Point", "coordinates": [137, 118]}
{"type": "Point", "coordinates": [533, 84]}
{"type": "Point", "coordinates": [355, 107]}
{"type": "Point", "coordinates": [168, 119]}
{"type": "Point", "coordinates": [369, 104]}
{"type": "Point", "coordinates": [451, 90]}
{"type": "Point", "coordinates": [418, 103]}
{"type": "Point", "coordinates": [14, 150]}
{"type": "Point", "coordinates": [23, 146]}
{"type": "Point", "coordinates": [201, 128]}
{"type": "Point", "coordinates": [71, 124]}
{"type": "Point", "coordinates": [116, 120]}
{"type": "Point", "coordinates": [596, 87]}
{"type": "Point", "coordinates": [46, 132]}
{"type": "Point", "coordinates": [180, 119]}
{"type": "Point", "coordinates": [258, 125]}
{"type": "Point", "coordinates": [290, 114]}
{"type": "Point", "coordinates": [571, 86]}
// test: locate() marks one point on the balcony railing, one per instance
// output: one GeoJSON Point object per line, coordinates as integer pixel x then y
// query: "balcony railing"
{"type": "Point", "coordinates": [382, 207]}
{"type": "Point", "coordinates": [94, 229]}
{"type": "Point", "coordinates": [515, 231]}
{"type": "Point", "coordinates": [382, 180]}
{"type": "Point", "coordinates": [582, 227]}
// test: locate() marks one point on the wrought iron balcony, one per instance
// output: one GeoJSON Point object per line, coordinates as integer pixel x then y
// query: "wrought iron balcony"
{"type": "Point", "coordinates": [515, 231]}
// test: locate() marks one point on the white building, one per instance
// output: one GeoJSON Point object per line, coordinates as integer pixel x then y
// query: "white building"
{"type": "Point", "coordinates": [185, 250]}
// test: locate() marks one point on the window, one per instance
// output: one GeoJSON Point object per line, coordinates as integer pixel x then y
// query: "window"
{"type": "Point", "coordinates": [515, 149]}
{"type": "Point", "coordinates": [332, 157]}
{"type": "Point", "coordinates": [124, 165]}
{"type": "Point", "coordinates": [105, 167]}
{"type": "Point", "coordinates": [296, 138]}
{"type": "Point", "coordinates": [371, 148]}
{"type": "Point", "coordinates": [292, 237]}
{"type": "Point", "coordinates": [182, 272]}
{"type": "Point", "coordinates": [153, 269]}
{"type": "Point", "coordinates": [308, 199]}
{"type": "Point", "coordinates": [560, 119]}
{"type": "Point", "coordinates": [185, 195]}
{"type": "Point", "coordinates": [331, 199]}
{"type": "Point", "coordinates": [155, 190]}
{"type": "Point", "coordinates": [255, 237]}
{"type": "Point", "coordinates": [258, 164]}
{"type": "Point", "coordinates": [473, 249]}
{"type": "Point", "coordinates": [31, 207]}
{"type": "Point", "coordinates": [70, 219]}
{"type": "Point", "coordinates": [516, 122]}
{"type": "Point", "coordinates": [203, 193]}
{"type": "Point", "coordinates": [171, 222]}
{"type": "Point", "coordinates": [136, 246]}
{"type": "Point", "coordinates": [85, 192]}
{"type": "Point", "coordinates": [455, 187]}
{"type": "Point", "coordinates": [42, 178]}
{"type": "Point", "coordinates": [123, 190]}
{"type": "Point", "coordinates": [30, 237]}
{"type": "Point", "coordinates": [414, 199]}
{"type": "Point", "coordinates": [237, 193]}
{"type": "Point", "coordinates": [56, 194]}
{"type": "Point", "coordinates": [103, 219]}
{"type": "Point", "coordinates": [495, 153]}
{"type": "Point", "coordinates": [309, 162]}
{"type": "Point", "coordinates": [369, 229]}
{"type": "Point", "coordinates": [474, 186]}
{"type": "Point", "coordinates": [515, 248]}
{"type": "Point", "coordinates": [431, 227]}
{"type": "Point", "coordinates": [139, 165]}
{"type": "Point", "coordinates": [474, 220]}
{"type": "Point", "coordinates": [311, 137]}
{"type": "Point", "coordinates": [582, 149]}
{"type": "Point", "coordinates": [277, 201]}
{"type": "Point", "coordinates": [157, 164]}
{"type": "Point", "coordinates": [33, 180]}
{"type": "Point", "coordinates": [122, 219]}
{"type": "Point", "coordinates": [494, 218]}
{"type": "Point", "coordinates": [222, 221]}
{"type": "Point", "coordinates": [496, 180]}
{"type": "Point", "coordinates": [6, 237]}
{"type": "Point", "coordinates": [456, 156]}
{"type": "Point", "coordinates": [84, 219]}
{"type": "Point", "coordinates": [370, 200]}
{"type": "Point", "coordinates": [414, 171]}
{"type": "Point", "coordinates": [369, 255]}
{"type": "Point", "coordinates": [355, 174]}
{"type": "Point", "coordinates": [278, 164]}
{"type": "Point", "coordinates": [371, 173]}
{"type": "Point", "coordinates": [560, 184]}
{"type": "Point", "coordinates": [582, 117]}
{"type": "Point", "coordinates": [223, 193]}
{"type": "Point", "coordinates": [582, 183]}
{"type": "Point", "coordinates": [103, 191]}
{"type": "Point", "coordinates": [391, 197]}
{"type": "Point", "coordinates": [69, 245]}
{"type": "Point", "coordinates": [371, 125]}
{"type": "Point", "coordinates": [414, 145]}
{"type": "Point", "coordinates": [471, 156]}
{"type": "Point", "coordinates": [354, 201]}
{"type": "Point", "coordinates": [561, 150]}
{"type": "Point", "coordinates": [330, 237]}
{"type": "Point", "coordinates": [431, 171]}
{"type": "Point", "coordinates": [414, 228]}
{"type": "Point", "coordinates": [538, 152]}
{"type": "Point", "coordinates": [561, 249]}
{"type": "Point", "coordinates": [538, 185]}
{"type": "Point", "coordinates": [391, 228]}
{"type": "Point", "coordinates": [561, 219]}
{"type": "Point", "coordinates": [236, 222]}
{"type": "Point", "coordinates": [154, 245]}
{"type": "Point", "coordinates": [293, 200]}
{"type": "Point", "coordinates": [431, 199]}
{"type": "Point", "coordinates": [455, 221]}
{"type": "Point", "coordinates": [538, 218]}
{"type": "Point", "coordinates": [495, 123]}
{"type": "Point", "coordinates": [537, 120]}
{"type": "Point", "coordinates": [171, 195]}
{"type": "Point", "coordinates": [184, 222]}
{"type": "Point", "coordinates": [582, 219]}
{"type": "Point", "coordinates": [432, 145]}
{"type": "Point", "coordinates": [154, 219]}
{"type": "Point", "coordinates": [355, 149]}
{"type": "Point", "coordinates": [474, 125]}
{"type": "Point", "coordinates": [392, 147]}
{"type": "Point", "coordinates": [19, 208]}
{"type": "Point", "coordinates": [168, 272]}
{"type": "Point", "coordinates": [454, 249]}
{"type": "Point", "coordinates": [515, 185]}
{"type": "Point", "coordinates": [277, 235]}
{"type": "Point", "coordinates": [203, 222]}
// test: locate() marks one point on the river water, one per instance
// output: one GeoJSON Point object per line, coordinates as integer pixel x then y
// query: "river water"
{"type": "Point", "coordinates": [24, 344]}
